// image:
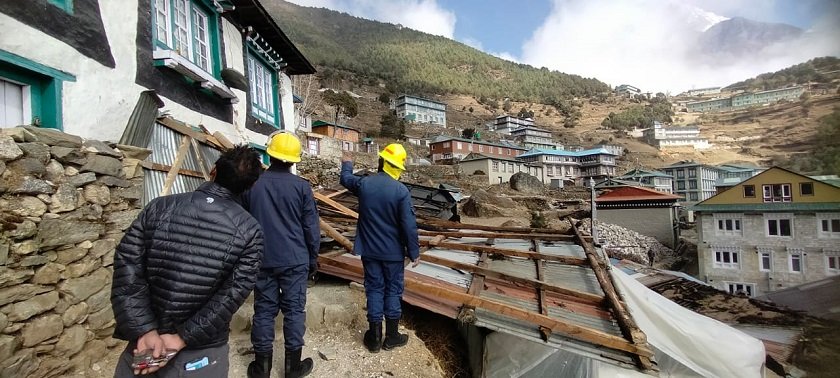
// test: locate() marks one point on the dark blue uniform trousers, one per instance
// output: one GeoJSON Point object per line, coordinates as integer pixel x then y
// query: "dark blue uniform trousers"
{"type": "Point", "coordinates": [280, 289]}
{"type": "Point", "coordinates": [383, 288]}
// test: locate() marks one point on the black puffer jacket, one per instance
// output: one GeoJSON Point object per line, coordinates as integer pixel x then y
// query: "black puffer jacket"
{"type": "Point", "coordinates": [185, 265]}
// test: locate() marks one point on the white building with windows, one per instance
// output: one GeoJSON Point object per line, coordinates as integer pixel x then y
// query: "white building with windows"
{"type": "Point", "coordinates": [506, 124]}
{"type": "Point", "coordinates": [692, 180]}
{"type": "Point", "coordinates": [420, 110]}
{"type": "Point", "coordinates": [573, 167]}
{"type": "Point", "coordinates": [81, 65]}
{"type": "Point", "coordinates": [662, 136]}
{"type": "Point", "coordinates": [772, 231]}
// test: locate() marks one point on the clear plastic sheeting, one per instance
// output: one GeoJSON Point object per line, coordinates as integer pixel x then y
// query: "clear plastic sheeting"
{"type": "Point", "coordinates": [685, 344]}
{"type": "Point", "coordinates": [704, 345]}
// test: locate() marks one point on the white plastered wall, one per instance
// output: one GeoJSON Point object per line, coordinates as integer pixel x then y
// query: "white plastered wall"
{"type": "Point", "coordinates": [100, 101]}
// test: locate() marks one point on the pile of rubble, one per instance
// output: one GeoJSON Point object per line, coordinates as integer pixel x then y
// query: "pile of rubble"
{"type": "Point", "coordinates": [622, 243]}
{"type": "Point", "coordinates": [319, 172]}
{"type": "Point", "coordinates": [64, 204]}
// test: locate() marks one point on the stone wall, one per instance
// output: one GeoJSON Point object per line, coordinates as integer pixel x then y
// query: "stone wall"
{"type": "Point", "coordinates": [64, 203]}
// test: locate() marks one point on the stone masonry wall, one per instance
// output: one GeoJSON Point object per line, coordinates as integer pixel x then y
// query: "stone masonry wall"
{"type": "Point", "coordinates": [64, 204]}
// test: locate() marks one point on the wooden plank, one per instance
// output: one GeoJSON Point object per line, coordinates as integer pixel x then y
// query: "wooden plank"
{"type": "Point", "coordinates": [338, 193]}
{"type": "Point", "coordinates": [438, 224]}
{"type": "Point", "coordinates": [333, 233]}
{"type": "Point", "coordinates": [571, 330]}
{"type": "Point", "coordinates": [527, 282]}
{"type": "Point", "coordinates": [167, 168]}
{"type": "Point", "coordinates": [545, 333]}
{"type": "Point", "coordinates": [625, 321]}
{"type": "Point", "coordinates": [341, 208]}
{"type": "Point", "coordinates": [179, 159]}
{"type": "Point", "coordinates": [477, 283]}
{"type": "Point", "coordinates": [223, 140]}
{"type": "Point", "coordinates": [497, 235]}
{"type": "Point", "coordinates": [507, 252]}
{"type": "Point", "coordinates": [182, 128]}
{"type": "Point", "coordinates": [200, 158]}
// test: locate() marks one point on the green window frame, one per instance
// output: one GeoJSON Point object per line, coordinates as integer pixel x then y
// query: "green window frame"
{"type": "Point", "coordinates": [261, 149]}
{"type": "Point", "coordinates": [263, 83]}
{"type": "Point", "coordinates": [191, 29]}
{"type": "Point", "coordinates": [65, 5]}
{"type": "Point", "coordinates": [43, 84]}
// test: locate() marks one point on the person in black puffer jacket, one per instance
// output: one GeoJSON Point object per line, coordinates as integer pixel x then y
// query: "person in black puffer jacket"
{"type": "Point", "coordinates": [182, 270]}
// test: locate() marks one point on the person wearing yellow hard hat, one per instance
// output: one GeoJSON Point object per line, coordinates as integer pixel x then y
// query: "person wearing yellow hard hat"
{"type": "Point", "coordinates": [284, 206]}
{"type": "Point", "coordinates": [386, 234]}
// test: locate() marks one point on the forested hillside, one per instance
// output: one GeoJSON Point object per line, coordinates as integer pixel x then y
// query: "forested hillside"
{"type": "Point", "coordinates": [410, 61]}
{"type": "Point", "coordinates": [817, 70]}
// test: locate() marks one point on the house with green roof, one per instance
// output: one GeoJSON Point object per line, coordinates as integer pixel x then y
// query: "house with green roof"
{"type": "Point", "coordinates": [774, 230]}
{"type": "Point", "coordinates": [572, 166]}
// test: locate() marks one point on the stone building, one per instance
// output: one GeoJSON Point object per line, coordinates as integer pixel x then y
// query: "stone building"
{"type": "Point", "coordinates": [774, 230]}
{"type": "Point", "coordinates": [625, 206]}
{"type": "Point", "coordinates": [498, 170]}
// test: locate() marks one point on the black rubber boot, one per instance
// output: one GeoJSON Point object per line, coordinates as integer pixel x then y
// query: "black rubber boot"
{"type": "Point", "coordinates": [296, 368]}
{"type": "Point", "coordinates": [373, 337]}
{"type": "Point", "coordinates": [261, 366]}
{"type": "Point", "coordinates": [393, 339]}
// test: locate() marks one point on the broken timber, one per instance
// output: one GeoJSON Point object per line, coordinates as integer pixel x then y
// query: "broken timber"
{"type": "Point", "coordinates": [506, 252]}
{"type": "Point", "coordinates": [496, 235]}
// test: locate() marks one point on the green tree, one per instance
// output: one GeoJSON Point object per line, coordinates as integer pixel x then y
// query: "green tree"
{"type": "Point", "coordinates": [384, 98]}
{"type": "Point", "coordinates": [392, 126]}
{"type": "Point", "coordinates": [343, 103]}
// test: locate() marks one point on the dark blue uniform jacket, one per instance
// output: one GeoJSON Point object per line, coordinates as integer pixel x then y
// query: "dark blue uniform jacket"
{"type": "Point", "coordinates": [387, 227]}
{"type": "Point", "coordinates": [285, 207]}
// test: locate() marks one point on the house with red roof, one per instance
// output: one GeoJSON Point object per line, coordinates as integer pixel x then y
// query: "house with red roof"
{"type": "Point", "coordinates": [644, 210]}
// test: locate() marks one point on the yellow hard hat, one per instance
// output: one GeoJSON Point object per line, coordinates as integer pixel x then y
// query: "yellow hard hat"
{"type": "Point", "coordinates": [284, 146]}
{"type": "Point", "coordinates": [395, 154]}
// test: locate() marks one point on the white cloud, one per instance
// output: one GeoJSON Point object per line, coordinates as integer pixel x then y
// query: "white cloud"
{"type": "Point", "coordinates": [650, 44]}
{"type": "Point", "coordinates": [423, 15]}
{"type": "Point", "coordinates": [472, 42]}
{"type": "Point", "coordinates": [505, 55]}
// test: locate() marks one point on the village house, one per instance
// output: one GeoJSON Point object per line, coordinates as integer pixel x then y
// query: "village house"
{"type": "Point", "coordinates": [447, 150]}
{"type": "Point", "coordinates": [534, 137]}
{"type": "Point", "coordinates": [627, 90]}
{"type": "Point", "coordinates": [420, 110]}
{"type": "Point", "coordinates": [498, 170]}
{"type": "Point", "coordinates": [80, 66]}
{"type": "Point", "coordinates": [653, 179]}
{"type": "Point", "coordinates": [692, 180]}
{"type": "Point", "coordinates": [775, 230]}
{"type": "Point", "coordinates": [348, 137]}
{"type": "Point", "coordinates": [730, 175]}
{"type": "Point", "coordinates": [624, 206]}
{"type": "Point", "coordinates": [661, 136]}
{"type": "Point", "coordinates": [505, 124]}
{"type": "Point", "coordinates": [573, 167]}
{"type": "Point", "coordinates": [746, 99]}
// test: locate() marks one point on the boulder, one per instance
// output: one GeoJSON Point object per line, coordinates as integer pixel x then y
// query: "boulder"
{"type": "Point", "coordinates": [41, 329]}
{"type": "Point", "coordinates": [48, 274]}
{"type": "Point", "coordinates": [37, 151]}
{"type": "Point", "coordinates": [51, 137]}
{"type": "Point", "coordinates": [68, 255]}
{"type": "Point", "coordinates": [122, 219]}
{"type": "Point", "coordinates": [9, 150]}
{"type": "Point", "coordinates": [485, 205]}
{"type": "Point", "coordinates": [8, 346]}
{"type": "Point", "coordinates": [98, 194]}
{"type": "Point", "coordinates": [103, 165]}
{"type": "Point", "coordinates": [102, 299]}
{"type": "Point", "coordinates": [58, 232]}
{"type": "Point", "coordinates": [133, 152]}
{"type": "Point", "coordinates": [16, 133]}
{"type": "Point", "coordinates": [71, 171]}
{"type": "Point", "coordinates": [79, 289]}
{"type": "Point", "coordinates": [82, 179]}
{"type": "Point", "coordinates": [31, 185]}
{"type": "Point", "coordinates": [65, 199]}
{"type": "Point", "coordinates": [71, 341]}
{"type": "Point", "coordinates": [101, 319]}
{"type": "Point", "coordinates": [523, 182]}
{"type": "Point", "coordinates": [28, 166]}
{"type": "Point", "coordinates": [100, 148]}
{"type": "Point", "coordinates": [67, 155]}
{"type": "Point", "coordinates": [55, 172]}
{"type": "Point", "coordinates": [133, 193]}
{"type": "Point", "coordinates": [102, 246]}
{"type": "Point", "coordinates": [22, 364]}
{"type": "Point", "coordinates": [24, 230]}
{"type": "Point", "coordinates": [34, 260]}
{"type": "Point", "coordinates": [25, 206]}
{"type": "Point", "coordinates": [21, 293]}
{"type": "Point", "coordinates": [11, 277]}
{"type": "Point", "coordinates": [90, 212]}
{"type": "Point", "coordinates": [38, 304]}
{"type": "Point", "coordinates": [132, 168]}
{"type": "Point", "coordinates": [336, 314]}
{"type": "Point", "coordinates": [75, 314]}
{"type": "Point", "coordinates": [25, 247]}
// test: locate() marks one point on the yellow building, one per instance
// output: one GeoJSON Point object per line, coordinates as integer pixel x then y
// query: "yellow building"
{"type": "Point", "coordinates": [775, 230]}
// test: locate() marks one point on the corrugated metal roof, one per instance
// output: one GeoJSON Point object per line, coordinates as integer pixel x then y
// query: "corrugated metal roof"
{"type": "Point", "coordinates": [154, 180]}
{"type": "Point", "coordinates": [769, 207]}
{"type": "Point", "coordinates": [818, 298]}
{"type": "Point", "coordinates": [164, 144]}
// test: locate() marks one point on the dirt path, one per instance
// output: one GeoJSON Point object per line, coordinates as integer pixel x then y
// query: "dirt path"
{"type": "Point", "coordinates": [337, 337]}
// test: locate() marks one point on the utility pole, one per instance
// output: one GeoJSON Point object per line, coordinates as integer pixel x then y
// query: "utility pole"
{"type": "Point", "coordinates": [593, 211]}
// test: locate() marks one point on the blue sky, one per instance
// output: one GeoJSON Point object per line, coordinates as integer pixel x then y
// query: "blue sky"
{"type": "Point", "coordinates": [640, 42]}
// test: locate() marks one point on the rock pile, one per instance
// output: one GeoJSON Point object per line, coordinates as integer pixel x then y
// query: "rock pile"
{"type": "Point", "coordinates": [319, 172]}
{"type": "Point", "coordinates": [622, 243]}
{"type": "Point", "coordinates": [65, 203]}
{"type": "Point", "coordinates": [525, 183]}
{"type": "Point", "coordinates": [485, 205]}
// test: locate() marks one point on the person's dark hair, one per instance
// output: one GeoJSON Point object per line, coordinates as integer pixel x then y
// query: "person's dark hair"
{"type": "Point", "coordinates": [381, 165]}
{"type": "Point", "coordinates": [282, 164]}
{"type": "Point", "coordinates": [238, 168]}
